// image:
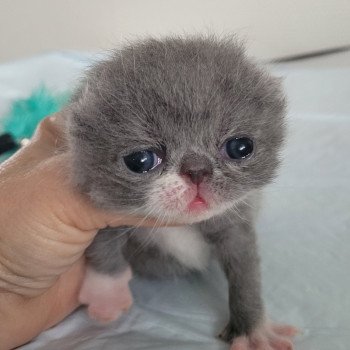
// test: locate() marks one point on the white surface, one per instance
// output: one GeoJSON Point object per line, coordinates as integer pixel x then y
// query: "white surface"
{"type": "Point", "coordinates": [304, 233]}
{"type": "Point", "coordinates": [273, 28]}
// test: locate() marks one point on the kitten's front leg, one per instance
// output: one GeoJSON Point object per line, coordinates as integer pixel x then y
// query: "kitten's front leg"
{"type": "Point", "coordinates": [247, 329]}
{"type": "Point", "coordinates": [105, 289]}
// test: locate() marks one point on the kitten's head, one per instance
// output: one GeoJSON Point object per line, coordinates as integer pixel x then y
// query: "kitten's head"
{"type": "Point", "coordinates": [179, 129]}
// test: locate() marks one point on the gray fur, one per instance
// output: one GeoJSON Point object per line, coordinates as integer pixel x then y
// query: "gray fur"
{"type": "Point", "coordinates": [106, 251]}
{"type": "Point", "coordinates": [235, 245]}
{"type": "Point", "coordinates": [184, 96]}
{"type": "Point", "coordinates": [149, 261]}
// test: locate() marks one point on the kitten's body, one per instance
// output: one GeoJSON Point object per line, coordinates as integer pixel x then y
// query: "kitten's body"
{"type": "Point", "coordinates": [182, 103]}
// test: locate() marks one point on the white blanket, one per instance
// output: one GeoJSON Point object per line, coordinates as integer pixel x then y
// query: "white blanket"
{"type": "Point", "coordinates": [304, 229]}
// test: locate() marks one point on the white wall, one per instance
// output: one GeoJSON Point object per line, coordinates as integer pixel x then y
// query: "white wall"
{"type": "Point", "coordinates": [273, 28]}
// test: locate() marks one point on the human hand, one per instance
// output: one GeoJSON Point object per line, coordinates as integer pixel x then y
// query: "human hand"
{"type": "Point", "coordinates": [45, 226]}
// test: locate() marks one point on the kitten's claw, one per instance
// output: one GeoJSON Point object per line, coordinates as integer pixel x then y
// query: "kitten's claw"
{"type": "Point", "coordinates": [267, 337]}
{"type": "Point", "coordinates": [106, 297]}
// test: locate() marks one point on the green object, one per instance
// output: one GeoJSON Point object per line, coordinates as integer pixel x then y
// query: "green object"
{"type": "Point", "coordinates": [25, 114]}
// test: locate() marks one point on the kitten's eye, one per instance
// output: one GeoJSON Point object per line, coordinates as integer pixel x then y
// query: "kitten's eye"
{"type": "Point", "coordinates": [239, 147]}
{"type": "Point", "coordinates": [142, 161]}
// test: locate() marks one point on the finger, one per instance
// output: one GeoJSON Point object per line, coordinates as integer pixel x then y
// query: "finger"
{"type": "Point", "coordinates": [47, 141]}
{"type": "Point", "coordinates": [49, 138]}
{"type": "Point", "coordinates": [50, 132]}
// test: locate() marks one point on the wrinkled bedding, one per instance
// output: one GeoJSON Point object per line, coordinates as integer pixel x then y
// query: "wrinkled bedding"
{"type": "Point", "coordinates": [303, 227]}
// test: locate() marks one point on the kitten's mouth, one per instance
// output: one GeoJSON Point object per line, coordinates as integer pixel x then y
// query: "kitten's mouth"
{"type": "Point", "coordinates": [198, 204]}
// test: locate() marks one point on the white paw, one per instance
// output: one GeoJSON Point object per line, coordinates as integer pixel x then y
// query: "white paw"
{"type": "Point", "coordinates": [106, 297]}
{"type": "Point", "coordinates": [267, 337]}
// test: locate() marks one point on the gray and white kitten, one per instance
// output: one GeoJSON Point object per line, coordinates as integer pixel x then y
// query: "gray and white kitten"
{"type": "Point", "coordinates": [186, 130]}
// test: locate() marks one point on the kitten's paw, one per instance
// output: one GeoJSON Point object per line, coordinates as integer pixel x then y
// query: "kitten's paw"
{"type": "Point", "coordinates": [106, 297]}
{"type": "Point", "coordinates": [267, 337]}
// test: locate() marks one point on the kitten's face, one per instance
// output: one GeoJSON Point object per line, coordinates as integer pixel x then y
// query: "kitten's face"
{"type": "Point", "coordinates": [176, 129]}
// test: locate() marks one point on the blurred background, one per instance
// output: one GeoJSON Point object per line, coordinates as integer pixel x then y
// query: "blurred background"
{"type": "Point", "coordinates": [273, 28]}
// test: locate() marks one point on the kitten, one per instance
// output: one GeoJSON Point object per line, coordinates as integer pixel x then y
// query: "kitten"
{"type": "Point", "coordinates": [185, 130]}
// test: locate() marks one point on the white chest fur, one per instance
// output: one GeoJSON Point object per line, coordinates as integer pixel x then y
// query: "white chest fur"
{"type": "Point", "coordinates": [186, 244]}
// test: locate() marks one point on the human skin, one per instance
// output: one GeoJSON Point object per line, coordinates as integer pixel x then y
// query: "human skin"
{"type": "Point", "coordinates": [45, 227]}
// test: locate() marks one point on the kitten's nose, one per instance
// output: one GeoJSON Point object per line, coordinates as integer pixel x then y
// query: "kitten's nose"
{"type": "Point", "coordinates": [196, 168]}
